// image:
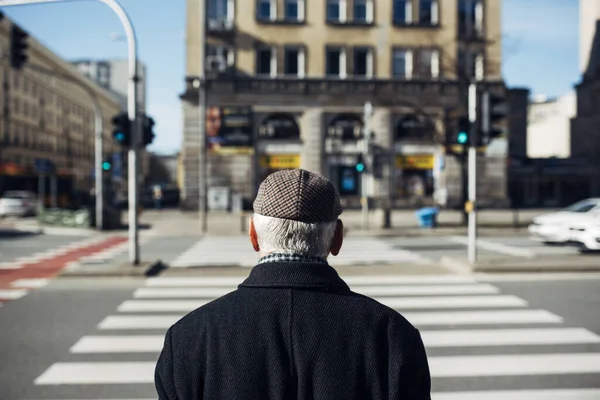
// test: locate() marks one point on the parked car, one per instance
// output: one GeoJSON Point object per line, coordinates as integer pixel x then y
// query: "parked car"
{"type": "Point", "coordinates": [18, 203]}
{"type": "Point", "coordinates": [555, 228]}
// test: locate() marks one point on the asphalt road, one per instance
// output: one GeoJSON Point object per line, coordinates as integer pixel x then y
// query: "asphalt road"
{"type": "Point", "coordinates": [105, 323]}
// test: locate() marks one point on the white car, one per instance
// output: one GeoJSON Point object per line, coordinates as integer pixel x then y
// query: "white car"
{"type": "Point", "coordinates": [555, 228]}
{"type": "Point", "coordinates": [18, 203]}
{"type": "Point", "coordinates": [586, 235]}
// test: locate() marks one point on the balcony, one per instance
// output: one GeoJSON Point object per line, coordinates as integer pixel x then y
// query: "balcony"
{"type": "Point", "coordinates": [218, 27]}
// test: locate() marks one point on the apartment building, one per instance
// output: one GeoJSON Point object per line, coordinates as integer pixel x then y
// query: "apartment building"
{"type": "Point", "coordinates": [46, 116]}
{"type": "Point", "coordinates": [287, 80]}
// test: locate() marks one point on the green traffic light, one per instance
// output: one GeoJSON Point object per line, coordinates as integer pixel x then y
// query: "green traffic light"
{"type": "Point", "coordinates": [462, 137]}
{"type": "Point", "coordinates": [360, 167]}
{"type": "Point", "coordinates": [106, 166]}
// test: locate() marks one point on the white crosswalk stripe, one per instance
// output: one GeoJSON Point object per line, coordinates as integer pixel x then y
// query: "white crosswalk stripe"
{"type": "Point", "coordinates": [236, 250]}
{"type": "Point", "coordinates": [468, 327]}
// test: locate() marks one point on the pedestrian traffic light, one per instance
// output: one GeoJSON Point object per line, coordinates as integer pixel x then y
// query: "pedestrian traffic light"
{"type": "Point", "coordinates": [497, 111]}
{"type": "Point", "coordinates": [106, 164]}
{"type": "Point", "coordinates": [148, 131]}
{"type": "Point", "coordinates": [18, 47]}
{"type": "Point", "coordinates": [459, 133]}
{"type": "Point", "coordinates": [360, 164]}
{"type": "Point", "coordinates": [122, 129]}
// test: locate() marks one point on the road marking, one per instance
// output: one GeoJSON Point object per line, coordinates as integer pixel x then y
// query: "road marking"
{"type": "Point", "coordinates": [138, 321]}
{"type": "Point", "coordinates": [97, 373]}
{"type": "Point", "coordinates": [366, 290]}
{"type": "Point", "coordinates": [393, 302]}
{"type": "Point", "coordinates": [10, 294]}
{"type": "Point", "coordinates": [541, 276]}
{"type": "Point", "coordinates": [419, 319]}
{"type": "Point", "coordinates": [496, 247]}
{"type": "Point", "coordinates": [353, 280]}
{"type": "Point", "coordinates": [119, 344]}
{"type": "Point", "coordinates": [514, 365]}
{"type": "Point", "coordinates": [488, 317]}
{"type": "Point", "coordinates": [30, 283]}
{"type": "Point", "coordinates": [550, 394]}
{"type": "Point", "coordinates": [508, 337]}
{"type": "Point", "coordinates": [408, 303]}
{"type": "Point", "coordinates": [11, 265]}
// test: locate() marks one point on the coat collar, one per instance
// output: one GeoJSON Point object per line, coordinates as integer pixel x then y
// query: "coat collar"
{"type": "Point", "coordinates": [301, 275]}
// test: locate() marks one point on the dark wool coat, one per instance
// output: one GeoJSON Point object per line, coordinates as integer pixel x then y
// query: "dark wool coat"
{"type": "Point", "coordinates": [293, 331]}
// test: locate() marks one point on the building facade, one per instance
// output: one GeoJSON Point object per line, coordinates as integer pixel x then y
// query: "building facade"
{"type": "Point", "coordinates": [46, 116]}
{"type": "Point", "coordinates": [113, 75]}
{"type": "Point", "coordinates": [286, 82]}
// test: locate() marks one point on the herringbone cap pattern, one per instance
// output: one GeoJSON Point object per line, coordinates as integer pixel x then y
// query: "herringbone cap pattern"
{"type": "Point", "coordinates": [298, 195]}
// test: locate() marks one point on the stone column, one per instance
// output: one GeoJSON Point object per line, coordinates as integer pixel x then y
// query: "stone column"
{"type": "Point", "coordinates": [190, 150]}
{"type": "Point", "coordinates": [383, 187]}
{"type": "Point", "coordinates": [312, 157]}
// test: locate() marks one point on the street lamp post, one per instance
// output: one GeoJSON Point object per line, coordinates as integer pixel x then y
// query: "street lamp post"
{"type": "Point", "coordinates": [133, 167]}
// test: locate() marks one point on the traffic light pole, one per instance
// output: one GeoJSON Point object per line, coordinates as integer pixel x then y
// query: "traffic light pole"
{"type": "Point", "coordinates": [472, 162]}
{"type": "Point", "coordinates": [203, 153]}
{"type": "Point", "coordinates": [134, 248]}
{"type": "Point", "coordinates": [366, 175]}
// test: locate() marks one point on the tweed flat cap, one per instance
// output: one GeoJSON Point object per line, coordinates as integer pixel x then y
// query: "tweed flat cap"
{"type": "Point", "coordinates": [298, 195]}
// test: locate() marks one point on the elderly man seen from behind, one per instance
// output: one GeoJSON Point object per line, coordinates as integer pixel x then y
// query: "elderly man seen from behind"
{"type": "Point", "coordinates": [294, 329]}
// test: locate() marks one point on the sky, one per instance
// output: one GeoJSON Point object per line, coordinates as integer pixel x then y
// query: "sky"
{"type": "Point", "coordinates": [540, 47]}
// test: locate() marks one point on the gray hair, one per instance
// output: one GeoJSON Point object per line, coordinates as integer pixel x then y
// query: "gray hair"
{"type": "Point", "coordinates": [277, 235]}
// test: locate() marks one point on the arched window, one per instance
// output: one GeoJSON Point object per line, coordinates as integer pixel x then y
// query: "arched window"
{"type": "Point", "coordinates": [345, 127]}
{"type": "Point", "coordinates": [279, 127]}
{"type": "Point", "coordinates": [410, 127]}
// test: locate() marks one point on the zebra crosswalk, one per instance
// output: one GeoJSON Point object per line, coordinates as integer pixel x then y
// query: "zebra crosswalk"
{"type": "Point", "coordinates": [482, 344]}
{"type": "Point", "coordinates": [236, 250]}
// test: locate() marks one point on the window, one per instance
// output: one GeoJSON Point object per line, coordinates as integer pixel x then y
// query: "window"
{"type": "Point", "coordinates": [363, 11]}
{"type": "Point", "coordinates": [470, 17]}
{"type": "Point", "coordinates": [294, 10]}
{"type": "Point", "coordinates": [336, 62]}
{"type": "Point", "coordinates": [471, 64]}
{"type": "Point", "coordinates": [293, 60]}
{"type": "Point", "coordinates": [428, 12]}
{"type": "Point", "coordinates": [336, 10]}
{"type": "Point", "coordinates": [218, 58]}
{"type": "Point", "coordinates": [217, 9]}
{"type": "Point", "coordinates": [402, 62]}
{"type": "Point", "coordinates": [266, 61]}
{"type": "Point", "coordinates": [265, 10]}
{"type": "Point", "coordinates": [402, 12]}
{"type": "Point", "coordinates": [363, 62]}
{"type": "Point", "coordinates": [428, 63]}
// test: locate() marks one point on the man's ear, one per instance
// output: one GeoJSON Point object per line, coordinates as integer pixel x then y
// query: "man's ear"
{"type": "Point", "coordinates": [252, 234]}
{"type": "Point", "coordinates": [338, 238]}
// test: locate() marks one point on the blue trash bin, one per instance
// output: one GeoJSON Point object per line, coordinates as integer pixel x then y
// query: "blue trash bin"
{"type": "Point", "coordinates": [427, 217]}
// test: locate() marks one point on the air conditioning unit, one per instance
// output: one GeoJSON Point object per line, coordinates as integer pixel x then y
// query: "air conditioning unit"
{"type": "Point", "coordinates": [216, 63]}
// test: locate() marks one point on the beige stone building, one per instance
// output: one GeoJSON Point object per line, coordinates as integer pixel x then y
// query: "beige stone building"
{"type": "Point", "coordinates": [287, 81]}
{"type": "Point", "coordinates": [48, 117]}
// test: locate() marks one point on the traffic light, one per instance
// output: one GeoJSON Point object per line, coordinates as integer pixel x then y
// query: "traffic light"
{"type": "Point", "coordinates": [495, 109]}
{"type": "Point", "coordinates": [148, 131]}
{"type": "Point", "coordinates": [122, 129]}
{"type": "Point", "coordinates": [360, 164]}
{"type": "Point", "coordinates": [18, 47]}
{"type": "Point", "coordinates": [106, 164]}
{"type": "Point", "coordinates": [459, 133]}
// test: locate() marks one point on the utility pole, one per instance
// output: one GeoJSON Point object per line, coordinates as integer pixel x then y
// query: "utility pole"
{"type": "Point", "coordinates": [368, 173]}
{"type": "Point", "coordinates": [203, 153]}
{"type": "Point", "coordinates": [471, 206]}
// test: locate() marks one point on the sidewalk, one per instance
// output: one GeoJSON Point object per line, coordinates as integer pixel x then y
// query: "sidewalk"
{"type": "Point", "coordinates": [404, 222]}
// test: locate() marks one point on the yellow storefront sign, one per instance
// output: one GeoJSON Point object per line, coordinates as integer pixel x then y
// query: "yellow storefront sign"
{"type": "Point", "coordinates": [280, 161]}
{"type": "Point", "coordinates": [420, 161]}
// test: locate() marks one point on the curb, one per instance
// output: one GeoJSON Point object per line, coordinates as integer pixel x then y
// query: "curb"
{"type": "Point", "coordinates": [147, 269]}
{"type": "Point", "coordinates": [514, 266]}
{"type": "Point", "coordinates": [53, 230]}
